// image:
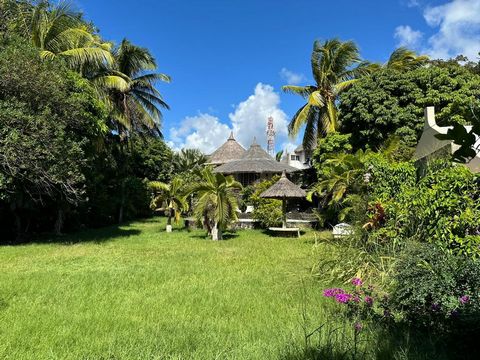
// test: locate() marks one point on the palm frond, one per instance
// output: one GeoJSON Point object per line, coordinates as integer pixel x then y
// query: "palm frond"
{"type": "Point", "coordinates": [303, 91]}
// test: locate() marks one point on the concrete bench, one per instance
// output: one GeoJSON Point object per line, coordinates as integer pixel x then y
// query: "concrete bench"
{"type": "Point", "coordinates": [285, 231]}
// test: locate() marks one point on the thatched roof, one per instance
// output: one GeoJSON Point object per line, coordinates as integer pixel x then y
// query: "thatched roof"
{"type": "Point", "coordinates": [230, 150]}
{"type": "Point", "coordinates": [283, 189]}
{"type": "Point", "coordinates": [255, 160]}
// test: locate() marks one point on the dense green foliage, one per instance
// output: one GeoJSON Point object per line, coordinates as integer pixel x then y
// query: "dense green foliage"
{"type": "Point", "coordinates": [49, 118]}
{"type": "Point", "coordinates": [389, 103]}
{"type": "Point", "coordinates": [268, 212]}
{"type": "Point", "coordinates": [79, 122]}
{"type": "Point", "coordinates": [436, 290]}
{"type": "Point", "coordinates": [442, 208]}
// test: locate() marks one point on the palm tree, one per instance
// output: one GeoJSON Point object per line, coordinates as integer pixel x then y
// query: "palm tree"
{"type": "Point", "coordinates": [188, 161]}
{"type": "Point", "coordinates": [340, 189]}
{"type": "Point", "coordinates": [279, 155]}
{"type": "Point", "coordinates": [403, 59]}
{"type": "Point", "coordinates": [173, 195]}
{"type": "Point", "coordinates": [59, 31]}
{"type": "Point", "coordinates": [130, 86]}
{"type": "Point", "coordinates": [217, 203]}
{"type": "Point", "coordinates": [336, 66]}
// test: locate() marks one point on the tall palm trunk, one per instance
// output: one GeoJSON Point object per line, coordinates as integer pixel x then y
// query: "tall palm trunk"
{"type": "Point", "coordinates": [59, 222]}
{"type": "Point", "coordinates": [217, 233]}
{"type": "Point", "coordinates": [169, 219]}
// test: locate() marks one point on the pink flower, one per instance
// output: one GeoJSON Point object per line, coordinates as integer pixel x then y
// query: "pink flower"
{"type": "Point", "coordinates": [332, 292]}
{"type": "Point", "coordinates": [343, 298]}
{"type": "Point", "coordinates": [369, 300]}
{"type": "Point", "coordinates": [358, 327]}
{"type": "Point", "coordinates": [357, 281]}
{"type": "Point", "coordinates": [464, 299]}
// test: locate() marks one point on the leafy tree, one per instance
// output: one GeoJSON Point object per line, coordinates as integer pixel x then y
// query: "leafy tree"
{"type": "Point", "coordinates": [150, 158]}
{"type": "Point", "coordinates": [49, 118]}
{"type": "Point", "coordinates": [467, 139]}
{"type": "Point", "coordinates": [217, 202]}
{"type": "Point", "coordinates": [389, 102]}
{"type": "Point", "coordinates": [172, 195]}
{"type": "Point", "coordinates": [336, 66]}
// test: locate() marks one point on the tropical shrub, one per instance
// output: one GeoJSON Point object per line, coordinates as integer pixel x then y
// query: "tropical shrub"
{"type": "Point", "coordinates": [170, 196]}
{"type": "Point", "coordinates": [268, 212]}
{"type": "Point", "coordinates": [442, 208]}
{"type": "Point", "coordinates": [217, 201]}
{"type": "Point", "coordinates": [437, 290]}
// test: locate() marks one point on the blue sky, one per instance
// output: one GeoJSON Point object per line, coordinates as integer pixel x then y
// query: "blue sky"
{"type": "Point", "coordinates": [229, 58]}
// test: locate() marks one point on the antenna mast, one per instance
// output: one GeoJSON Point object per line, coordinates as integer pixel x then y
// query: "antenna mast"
{"type": "Point", "coordinates": [270, 137]}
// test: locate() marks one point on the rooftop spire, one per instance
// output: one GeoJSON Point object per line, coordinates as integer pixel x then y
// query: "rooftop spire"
{"type": "Point", "coordinates": [231, 136]}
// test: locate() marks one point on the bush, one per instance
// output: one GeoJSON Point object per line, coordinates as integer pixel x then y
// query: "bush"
{"type": "Point", "coordinates": [442, 208]}
{"type": "Point", "coordinates": [267, 212]}
{"type": "Point", "coordinates": [438, 290]}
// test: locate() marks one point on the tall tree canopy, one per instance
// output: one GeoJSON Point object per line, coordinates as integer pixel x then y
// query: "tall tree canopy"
{"type": "Point", "coordinates": [49, 118]}
{"type": "Point", "coordinates": [390, 102]}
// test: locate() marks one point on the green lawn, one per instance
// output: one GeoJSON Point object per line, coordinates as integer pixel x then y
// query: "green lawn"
{"type": "Point", "coordinates": [135, 292]}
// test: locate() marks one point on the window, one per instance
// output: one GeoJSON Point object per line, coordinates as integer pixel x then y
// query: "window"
{"type": "Point", "coordinates": [295, 157]}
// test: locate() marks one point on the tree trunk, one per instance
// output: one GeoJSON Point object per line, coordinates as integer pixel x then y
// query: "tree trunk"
{"type": "Point", "coordinates": [59, 222]}
{"type": "Point", "coordinates": [18, 226]}
{"type": "Point", "coordinates": [169, 220]}
{"type": "Point", "coordinates": [122, 203]}
{"type": "Point", "coordinates": [217, 232]}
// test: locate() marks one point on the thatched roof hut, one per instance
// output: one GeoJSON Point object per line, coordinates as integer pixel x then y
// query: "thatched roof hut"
{"type": "Point", "coordinates": [256, 161]}
{"type": "Point", "coordinates": [284, 189]}
{"type": "Point", "coordinates": [230, 150]}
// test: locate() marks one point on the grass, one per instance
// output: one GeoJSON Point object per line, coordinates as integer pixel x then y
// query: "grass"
{"type": "Point", "coordinates": [136, 292]}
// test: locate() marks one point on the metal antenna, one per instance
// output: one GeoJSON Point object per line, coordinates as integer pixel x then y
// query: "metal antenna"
{"type": "Point", "coordinates": [270, 137]}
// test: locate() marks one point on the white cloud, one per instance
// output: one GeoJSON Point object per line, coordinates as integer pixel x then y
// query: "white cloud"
{"type": "Point", "coordinates": [408, 37]}
{"type": "Point", "coordinates": [413, 3]}
{"type": "Point", "coordinates": [248, 120]}
{"type": "Point", "coordinates": [458, 24]}
{"type": "Point", "coordinates": [291, 77]}
{"type": "Point", "coordinates": [250, 116]}
{"type": "Point", "coordinates": [203, 131]}
{"type": "Point", "coordinates": [457, 30]}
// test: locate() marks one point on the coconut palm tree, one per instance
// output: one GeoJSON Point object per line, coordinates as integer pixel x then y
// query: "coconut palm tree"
{"type": "Point", "coordinates": [59, 31]}
{"type": "Point", "coordinates": [188, 161]}
{"type": "Point", "coordinates": [404, 59]}
{"type": "Point", "coordinates": [336, 66]}
{"type": "Point", "coordinates": [130, 86]}
{"type": "Point", "coordinates": [172, 195]}
{"type": "Point", "coordinates": [217, 202]}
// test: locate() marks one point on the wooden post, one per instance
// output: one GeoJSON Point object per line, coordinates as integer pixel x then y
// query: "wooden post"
{"type": "Point", "coordinates": [284, 212]}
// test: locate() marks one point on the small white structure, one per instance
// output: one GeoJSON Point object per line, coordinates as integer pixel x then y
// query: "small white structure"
{"type": "Point", "coordinates": [342, 230]}
{"type": "Point", "coordinates": [298, 158]}
{"type": "Point", "coordinates": [429, 146]}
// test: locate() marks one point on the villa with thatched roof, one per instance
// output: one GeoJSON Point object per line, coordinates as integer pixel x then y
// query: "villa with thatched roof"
{"type": "Point", "coordinates": [230, 150]}
{"type": "Point", "coordinates": [247, 166]}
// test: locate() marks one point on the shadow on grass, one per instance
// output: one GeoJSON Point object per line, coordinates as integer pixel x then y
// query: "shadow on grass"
{"type": "Point", "coordinates": [203, 236]}
{"type": "Point", "coordinates": [396, 343]}
{"type": "Point", "coordinates": [98, 235]}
